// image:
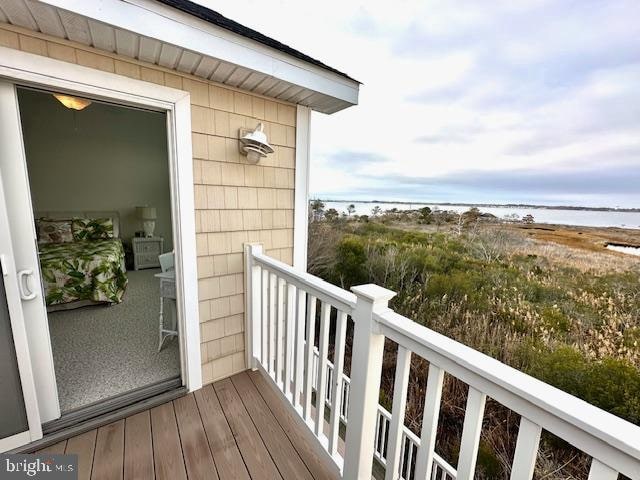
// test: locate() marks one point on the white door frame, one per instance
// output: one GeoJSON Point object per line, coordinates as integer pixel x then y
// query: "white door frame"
{"type": "Point", "coordinates": [8, 276]}
{"type": "Point", "coordinates": [30, 69]}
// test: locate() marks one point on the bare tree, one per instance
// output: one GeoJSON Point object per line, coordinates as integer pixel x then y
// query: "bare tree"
{"type": "Point", "coordinates": [459, 226]}
{"type": "Point", "coordinates": [317, 210]}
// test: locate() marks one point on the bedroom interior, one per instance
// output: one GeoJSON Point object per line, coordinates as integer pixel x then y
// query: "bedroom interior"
{"type": "Point", "coordinates": [101, 197]}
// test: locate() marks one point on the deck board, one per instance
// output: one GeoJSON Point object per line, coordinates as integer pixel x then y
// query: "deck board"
{"type": "Point", "coordinates": [197, 455]}
{"type": "Point", "coordinates": [167, 451]}
{"type": "Point", "coordinates": [138, 448]}
{"type": "Point", "coordinates": [221, 442]}
{"type": "Point", "coordinates": [254, 452]}
{"type": "Point", "coordinates": [236, 428]}
{"type": "Point", "coordinates": [84, 446]}
{"type": "Point", "coordinates": [108, 458]}
{"type": "Point", "coordinates": [278, 444]}
{"type": "Point", "coordinates": [285, 417]}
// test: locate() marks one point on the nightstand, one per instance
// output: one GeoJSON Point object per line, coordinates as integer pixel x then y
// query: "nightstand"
{"type": "Point", "coordinates": [146, 251]}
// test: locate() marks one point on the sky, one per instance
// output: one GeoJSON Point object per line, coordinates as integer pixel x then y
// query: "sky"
{"type": "Point", "coordinates": [500, 101]}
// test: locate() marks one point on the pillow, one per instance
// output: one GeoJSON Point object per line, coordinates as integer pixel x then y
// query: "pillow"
{"type": "Point", "coordinates": [54, 231]}
{"type": "Point", "coordinates": [92, 228]}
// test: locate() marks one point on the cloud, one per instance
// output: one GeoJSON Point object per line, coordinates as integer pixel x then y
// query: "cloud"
{"type": "Point", "coordinates": [580, 183]}
{"type": "Point", "coordinates": [533, 100]}
{"type": "Point", "coordinates": [614, 176]}
{"type": "Point", "coordinates": [454, 134]}
{"type": "Point", "coordinates": [591, 181]}
{"type": "Point", "coordinates": [348, 160]}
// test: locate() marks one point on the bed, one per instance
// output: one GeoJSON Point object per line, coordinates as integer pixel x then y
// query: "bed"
{"type": "Point", "coordinates": [81, 259]}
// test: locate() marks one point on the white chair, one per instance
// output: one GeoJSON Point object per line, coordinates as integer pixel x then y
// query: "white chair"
{"type": "Point", "coordinates": [167, 261]}
{"type": "Point", "coordinates": [167, 290]}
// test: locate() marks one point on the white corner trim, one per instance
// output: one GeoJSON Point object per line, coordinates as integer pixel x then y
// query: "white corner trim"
{"type": "Point", "coordinates": [30, 69]}
{"type": "Point", "coordinates": [177, 28]}
{"type": "Point", "coordinates": [183, 209]}
{"type": "Point", "coordinates": [301, 196]}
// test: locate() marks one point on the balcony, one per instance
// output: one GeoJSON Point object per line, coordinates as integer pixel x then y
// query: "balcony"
{"type": "Point", "coordinates": [297, 415]}
{"type": "Point", "coordinates": [283, 307]}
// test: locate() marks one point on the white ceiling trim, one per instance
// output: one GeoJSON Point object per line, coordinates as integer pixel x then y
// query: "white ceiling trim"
{"type": "Point", "coordinates": [152, 32]}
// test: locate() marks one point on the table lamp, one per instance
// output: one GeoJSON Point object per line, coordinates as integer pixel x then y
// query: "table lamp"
{"type": "Point", "coordinates": [148, 217]}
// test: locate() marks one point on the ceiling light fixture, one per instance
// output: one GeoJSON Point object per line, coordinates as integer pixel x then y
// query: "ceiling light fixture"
{"type": "Point", "coordinates": [73, 103]}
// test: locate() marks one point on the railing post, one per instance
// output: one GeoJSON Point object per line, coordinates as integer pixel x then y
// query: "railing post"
{"type": "Point", "coordinates": [366, 368]}
{"type": "Point", "coordinates": [252, 302]}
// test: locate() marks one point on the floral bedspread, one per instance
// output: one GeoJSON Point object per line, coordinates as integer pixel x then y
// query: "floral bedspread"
{"type": "Point", "coordinates": [86, 270]}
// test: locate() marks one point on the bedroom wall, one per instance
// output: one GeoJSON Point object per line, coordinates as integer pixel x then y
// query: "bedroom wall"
{"type": "Point", "coordinates": [102, 158]}
{"type": "Point", "coordinates": [234, 202]}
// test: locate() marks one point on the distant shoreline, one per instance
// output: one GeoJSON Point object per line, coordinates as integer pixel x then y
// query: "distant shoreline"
{"type": "Point", "coordinates": [487, 205]}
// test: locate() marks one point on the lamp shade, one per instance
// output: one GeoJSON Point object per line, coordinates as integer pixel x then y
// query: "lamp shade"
{"type": "Point", "coordinates": [255, 145]}
{"type": "Point", "coordinates": [146, 213]}
{"type": "Point", "coordinates": [74, 103]}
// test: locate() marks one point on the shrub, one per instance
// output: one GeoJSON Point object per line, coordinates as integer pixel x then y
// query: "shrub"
{"type": "Point", "coordinates": [611, 384]}
{"type": "Point", "coordinates": [350, 261]}
{"type": "Point", "coordinates": [554, 319]}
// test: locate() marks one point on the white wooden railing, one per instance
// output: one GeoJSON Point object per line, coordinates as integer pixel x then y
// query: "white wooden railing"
{"type": "Point", "coordinates": [282, 308]}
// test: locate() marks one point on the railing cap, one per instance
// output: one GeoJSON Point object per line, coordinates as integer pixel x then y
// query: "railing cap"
{"type": "Point", "coordinates": [373, 292]}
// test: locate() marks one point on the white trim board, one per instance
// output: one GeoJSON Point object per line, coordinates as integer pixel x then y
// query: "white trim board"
{"type": "Point", "coordinates": [29, 69]}
{"type": "Point", "coordinates": [171, 26]}
{"type": "Point", "coordinates": [301, 195]}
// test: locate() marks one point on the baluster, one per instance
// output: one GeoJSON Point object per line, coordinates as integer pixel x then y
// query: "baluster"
{"type": "Point", "coordinates": [280, 334]}
{"type": "Point", "coordinates": [366, 368]}
{"type": "Point", "coordinates": [401, 466]}
{"type": "Point", "coordinates": [325, 312]}
{"type": "Point", "coordinates": [424, 461]}
{"type": "Point", "coordinates": [400, 385]}
{"type": "Point", "coordinates": [253, 309]}
{"type": "Point", "coordinates": [411, 469]}
{"type": "Point", "coordinates": [376, 436]}
{"type": "Point", "coordinates": [336, 393]}
{"type": "Point", "coordinates": [599, 471]}
{"type": "Point", "coordinates": [524, 458]}
{"type": "Point", "coordinates": [385, 428]}
{"type": "Point", "coordinates": [345, 399]}
{"type": "Point", "coordinates": [298, 365]}
{"type": "Point", "coordinates": [434, 471]}
{"type": "Point", "coordinates": [265, 319]}
{"type": "Point", "coordinates": [289, 332]}
{"type": "Point", "coordinates": [471, 434]}
{"type": "Point", "coordinates": [272, 325]}
{"type": "Point", "coordinates": [315, 369]}
{"type": "Point", "coordinates": [309, 356]}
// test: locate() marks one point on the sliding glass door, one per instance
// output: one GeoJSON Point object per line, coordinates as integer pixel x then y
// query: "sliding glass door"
{"type": "Point", "coordinates": [25, 253]}
{"type": "Point", "coordinates": [19, 417]}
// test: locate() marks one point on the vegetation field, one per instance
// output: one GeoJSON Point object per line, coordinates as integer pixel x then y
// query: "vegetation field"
{"type": "Point", "coordinates": [551, 302]}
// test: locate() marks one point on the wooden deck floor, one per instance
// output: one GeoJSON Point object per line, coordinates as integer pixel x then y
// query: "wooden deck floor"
{"type": "Point", "coordinates": [237, 428]}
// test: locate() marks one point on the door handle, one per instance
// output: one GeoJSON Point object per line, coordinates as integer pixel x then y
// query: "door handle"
{"type": "Point", "coordinates": [24, 285]}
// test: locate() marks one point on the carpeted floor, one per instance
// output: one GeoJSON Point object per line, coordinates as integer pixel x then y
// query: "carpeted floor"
{"type": "Point", "coordinates": [102, 351]}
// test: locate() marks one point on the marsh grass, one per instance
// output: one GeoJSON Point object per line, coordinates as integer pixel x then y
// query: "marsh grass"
{"type": "Point", "coordinates": [568, 317]}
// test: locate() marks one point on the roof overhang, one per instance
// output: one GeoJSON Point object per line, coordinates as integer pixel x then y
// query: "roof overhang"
{"type": "Point", "coordinates": [155, 33]}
